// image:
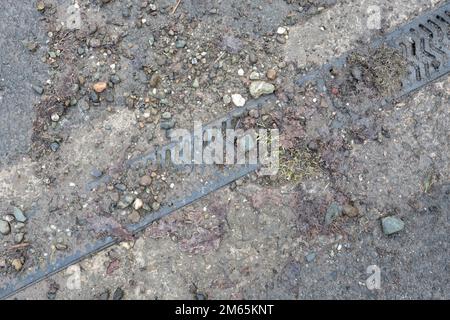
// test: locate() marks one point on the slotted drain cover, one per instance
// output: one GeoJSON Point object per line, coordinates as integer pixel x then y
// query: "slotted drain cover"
{"type": "Point", "coordinates": [424, 43]}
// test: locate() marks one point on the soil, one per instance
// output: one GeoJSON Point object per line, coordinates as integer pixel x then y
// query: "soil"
{"type": "Point", "coordinates": [309, 232]}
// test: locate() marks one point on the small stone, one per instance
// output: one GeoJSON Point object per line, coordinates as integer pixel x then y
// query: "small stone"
{"type": "Point", "coordinates": [54, 146]}
{"type": "Point", "coordinates": [180, 44]}
{"type": "Point", "coordinates": [5, 228]}
{"type": "Point", "coordinates": [155, 206]}
{"type": "Point", "coordinates": [238, 100]}
{"type": "Point", "coordinates": [310, 257]}
{"type": "Point", "coordinates": [254, 76]}
{"type": "Point", "coordinates": [138, 204]}
{"type": "Point", "coordinates": [17, 264]}
{"type": "Point", "coordinates": [38, 89]}
{"type": "Point", "coordinates": [18, 215]}
{"type": "Point", "coordinates": [55, 117]}
{"type": "Point", "coordinates": [134, 216]}
{"type": "Point", "coordinates": [168, 124]}
{"type": "Point", "coordinates": [260, 88]}
{"type": "Point", "coordinates": [333, 211]}
{"type": "Point", "coordinates": [253, 58]}
{"type": "Point", "coordinates": [195, 84]}
{"type": "Point", "coordinates": [40, 6]}
{"type": "Point", "coordinates": [125, 201]}
{"type": "Point", "coordinates": [357, 73]}
{"type": "Point", "coordinates": [155, 80]}
{"type": "Point", "coordinates": [241, 72]}
{"type": "Point", "coordinates": [392, 225]}
{"type": "Point", "coordinates": [350, 211]}
{"type": "Point", "coordinates": [118, 294]}
{"type": "Point", "coordinates": [254, 113]}
{"type": "Point", "coordinates": [115, 79]}
{"type": "Point", "coordinates": [226, 99]}
{"type": "Point", "coordinates": [120, 187]}
{"type": "Point", "coordinates": [9, 218]}
{"type": "Point", "coordinates": [281, 39]}
{"type": "Point", "coordinates": [99, 87]}
{"type": "Point", "coordinates": [145, 181]}
{"type": "Point", "coordinates": [18, 237]}
{"type": "Point", "coordinates": [166, 115]}
{"type": "Point", "coordinates": [93, 96]}
{"type": "Point", "coordinates": [96, 173]}
{"type": "Point", "coordinates": [281, 30]}
{"type": "Point", "coordinates": [271, 74]}
{"type": "Point", "coordinates": [61, 247]}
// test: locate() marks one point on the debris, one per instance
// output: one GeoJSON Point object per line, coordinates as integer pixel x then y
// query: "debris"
{"type": "Point", "coordinates": [271, 74]}
{"type": "Point", "coordinates": [18, 215]}
{"type": "Point", "coordinates": [333, 211]}
{"type": "Point", "coordinates": [118, 294]}
{"type": "Point", "coordinates": [99, 87]}
{"type": "Point", "coordinates": [5, 228]}
{"type": "Point", "coordinates": [238, 100]}
{"type": "Point", "coordinates": [392, 225]}
{"type": "Point", "coordinates": [260, 88]}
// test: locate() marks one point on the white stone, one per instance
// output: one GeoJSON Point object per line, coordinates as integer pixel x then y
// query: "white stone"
{"type": "Point", "coordinates": [238, 100]}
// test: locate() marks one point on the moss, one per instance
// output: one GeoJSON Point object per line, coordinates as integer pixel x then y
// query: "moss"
{"type": "Point", "coordinates": [297, 164]}
{"type": "Point", "coordinates": [382, 68]}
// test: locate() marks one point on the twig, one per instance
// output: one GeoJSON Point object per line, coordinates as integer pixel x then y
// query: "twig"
{"type": "Point", "coordinates": [19, 246]}
{"type": "Point", "coordinates": [176, 6]}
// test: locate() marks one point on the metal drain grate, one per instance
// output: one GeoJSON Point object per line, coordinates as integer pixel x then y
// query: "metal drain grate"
{"type": "Point", "coordinates": [425, 44]}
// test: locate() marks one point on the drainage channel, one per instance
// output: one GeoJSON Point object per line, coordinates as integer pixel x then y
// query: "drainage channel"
{"type": "Point", "coordinates": [424, 43]}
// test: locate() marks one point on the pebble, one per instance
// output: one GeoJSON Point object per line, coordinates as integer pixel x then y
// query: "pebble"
{"type": "Point", "coordinates": [253, 58]}
{"type": "Point", "coordinates": [125, 201]}
{"type": "Point", "coordinates": [138, 204]}
{"type": "Point", "coordinates": [226, 99]}
{"type": "Point", "coordinates": [180, 44]}
{"type": "Point", "coordinates": [260, 88]}
{"type": "Point", "coordinates": [40, 6]}
{"type": "Point", "coordinates": [38, 89]}
{"type": "Point", "coordinates": [254, 113]}
{"type": "Point", "coordinates": [5, 228]}
{"type": "Point", "coordinates": [238, 100]}
{"type": "Point", "coordinates": [166, 115]}
{"type": "Point", "coordinates": [54, 146]}
{"type": "Point", "coordinates": [350, 211]}
{"type": "Point", "coordinates": [333, 211]}
{"type": "Point", "coordinates": [17, 264]}
{"type": "Point", "coordinates": [61, 247]}
{"type": "Point", "coordinates": [310, 257]}
{"type": "Point", "coordinates": [241, 72]}
{"type": "Point", "coordinates": [271, 74]}
{"type": "Point", "coordinates": [145, 181]}
{"type": "Point", "coordinates": [254, 76]}
{"type": "Point", "coordinates": [99, 87]}
{"type": "Point", "coordinates": [118, 294]}
{"type": "Point", "coordinates": [18, 215]}
{"type": "Point", "coordinates": [55, 117]}
{"type": "Point", "coordinates": [281, 30]}
{"type": "Point", "coordinates": [168, 124]}
{"type": "Point", "coordinates": [18, 238]}
{"type": "Point", "coordinates": [96, 173]}
{"type": "Point", "coordinates": [392, 225]}
{"type": "Point", "coordinates": [134, 216]}
{"type": "Point", "coordinates": [195, 84]}
{"type": "Point", "coordinates": [93, 96]}
{"type": "Point", "coordinates": [115, 79]}
{"type": "Point", "coordinates": [155, 80]}
{"type": "Point", "coordinates": [155, 206]}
